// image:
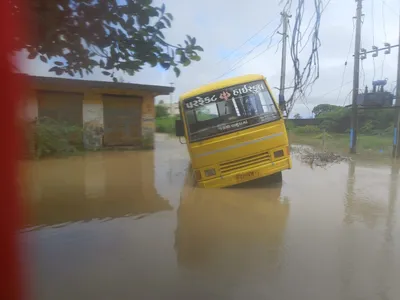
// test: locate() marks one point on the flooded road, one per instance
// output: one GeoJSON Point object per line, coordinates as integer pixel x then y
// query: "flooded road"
{"type": "Point", "coordinates": [128, 225]}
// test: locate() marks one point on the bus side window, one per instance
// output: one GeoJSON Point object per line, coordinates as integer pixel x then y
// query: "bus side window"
{"type": "Point", "coordinates": [190, 117]}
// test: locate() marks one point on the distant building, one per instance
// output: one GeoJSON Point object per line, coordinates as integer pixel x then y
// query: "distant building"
{"type": "Point", "coordinates": [172, 109]}
{"type": "Point", "coordinates": [111, 114]}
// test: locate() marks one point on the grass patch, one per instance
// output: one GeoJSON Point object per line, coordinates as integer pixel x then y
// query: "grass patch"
{"type": "Point", "coordinates": [166, 124]}
{"type": "Point", "coordinates": [366, 144]}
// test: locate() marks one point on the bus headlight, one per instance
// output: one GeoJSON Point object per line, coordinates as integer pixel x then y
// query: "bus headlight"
{"type": "Point", "coordinates": [278, 154]}
{"type": "Point", "coordinates": [209, 172]}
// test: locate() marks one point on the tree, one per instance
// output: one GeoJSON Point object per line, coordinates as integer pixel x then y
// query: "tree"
{"type": "Point", "coordinates": [324, 108]}
{"type": "Point", "coordinates": [161, 111]}
{"type": "Point", "coordinates": [75, 36]}
{"type": "Point", "coordinates": [297, 116]}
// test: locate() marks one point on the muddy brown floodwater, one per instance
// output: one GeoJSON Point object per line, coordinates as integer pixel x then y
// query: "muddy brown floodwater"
{"type": "Point", "coordinates": [127, 225]}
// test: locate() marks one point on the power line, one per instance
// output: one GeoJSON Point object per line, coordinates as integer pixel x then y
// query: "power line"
{"type": "Point", "coordinates": [258, 45]}
{"type": "Point", "coordinates": [236, 64]}
{"type": "Point", "coordinates": [385, 33]}
{"type": "Point", "coordinates": [383, 66]}
{"type": "Point", "coordinates": [246, 62]}
{"type": "Point", "coordinates": [363, 72]}
{"type": "Point", "coordinates": [383, 20]}
{"type": "Point", "coordinates": [395, 11]}
{"type": "Point", "coordinates": [347, 97]}
{"type": "Point", "coordinates": [373, 34]}
{"type": "Point", "coordinates": [249, 39]}
{"type": "Point", "coordinates": [334, 90]}
{"type": "Point", "coordinates": [346, 62]}
{"type": "Point", "coordinates": [373, 22]}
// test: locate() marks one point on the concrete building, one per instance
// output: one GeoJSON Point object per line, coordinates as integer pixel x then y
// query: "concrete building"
{"type": "Point", "coordinates": [172, 109]}
{"type": "Point", "coordinates": [111, 114]}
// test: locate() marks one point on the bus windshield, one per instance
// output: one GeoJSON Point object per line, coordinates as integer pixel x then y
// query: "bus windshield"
{"type": "Point", "coordinates": [230, 109]}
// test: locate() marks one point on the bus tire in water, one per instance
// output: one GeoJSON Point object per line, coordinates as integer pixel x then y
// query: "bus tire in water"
{"type": "Point", "coordinates": [277, 177]}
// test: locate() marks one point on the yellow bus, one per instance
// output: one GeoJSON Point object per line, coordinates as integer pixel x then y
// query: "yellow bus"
{"type": "Point", "coordinates": [234, 132]}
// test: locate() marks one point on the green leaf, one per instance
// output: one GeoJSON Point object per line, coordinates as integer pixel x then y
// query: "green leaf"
{"type": "Point", "coordinates": [152, 60]}
{"type": "Point", "coordinates": [161, 34]}
{"type": "Point", "coordinates": [169, 16]}
{"type": "Point", "coordinates": [102, 64]}
{"type": "Point", "coordinates": [160, 25]}
{"type": "Point", "coordinates": [195, 57]}
{"type": "Point", "coordinates": [143, 19]}
{"type": "Point", "coordinates": [166, 20]}
{"type": "Point", "coordinates": [43, 58]}
{"type": "Point", "coordinates": [198, 48]}
{"type": "Point", "coordinates": [130, 22]}
{"type": "Point", "coordinates": [56, 70]}
{"type": "Point", "coordinates": [152, 12]}
{"type": "Point", "coordinates": [115, 79]}
{"type": "Point", "coordinates": [106, 73]}
{"type": "Point", "coordinates": [184, 60]}
{"type": "Point", "coordinates": [58, 63]}
{"type": "Point", "coordinates": [177, 71]}
{"type": "Point", "coordinates": [165, 65]}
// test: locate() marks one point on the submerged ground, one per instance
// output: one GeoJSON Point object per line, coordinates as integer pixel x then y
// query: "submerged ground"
{"type": "Point", "coordinates": [125, 225]}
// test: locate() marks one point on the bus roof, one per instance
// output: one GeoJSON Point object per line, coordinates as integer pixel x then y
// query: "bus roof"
{"type": "Point", "coordinates": [220, 85]}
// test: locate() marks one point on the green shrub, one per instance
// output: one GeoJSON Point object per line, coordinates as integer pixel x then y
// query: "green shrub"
{"type": "Point", "coordinates": [166, 125]}
{"type": "Point", "coordinates": [308, 129]}
{"type": "Point", "coordinates": [161, 111]}
{"type": "Point", "coordinates": [52, 137]}
{"type": "Point", "coordinates": [289, 125]}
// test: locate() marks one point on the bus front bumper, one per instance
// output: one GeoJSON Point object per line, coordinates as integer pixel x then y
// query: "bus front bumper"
{"type": "Point", "coordinates": [247, 174]}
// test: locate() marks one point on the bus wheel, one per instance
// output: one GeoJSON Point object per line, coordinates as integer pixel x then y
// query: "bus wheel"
{"type": "Point", "coordinates": [275, 178]}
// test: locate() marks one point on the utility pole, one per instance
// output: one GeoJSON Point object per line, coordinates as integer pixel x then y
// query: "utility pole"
{"type": "Point", "coordinates": [356, 79]}
{"type": "Point", "coordinates": [396, 134]}
{"type": "Point", "coordinates": [285, 19]}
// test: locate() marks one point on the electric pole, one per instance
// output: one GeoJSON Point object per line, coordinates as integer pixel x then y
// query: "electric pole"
{"type": "Point", "coordinates": [285, 19]}
{"type": "Point", "coordinates": [396, 134]}
{"type": "Point", "coordinates": [356, 79]}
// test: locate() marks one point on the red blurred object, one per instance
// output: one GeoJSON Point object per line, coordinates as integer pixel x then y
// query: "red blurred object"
{"type": "Point", "coordinates": [10, 283]}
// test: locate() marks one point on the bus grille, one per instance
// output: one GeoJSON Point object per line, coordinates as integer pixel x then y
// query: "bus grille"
{"type": "Point", "coordinates": [254, 160]}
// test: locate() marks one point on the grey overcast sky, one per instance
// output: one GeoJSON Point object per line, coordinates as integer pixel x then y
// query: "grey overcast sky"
{"type": "Point", "coordinates": [221, 26]}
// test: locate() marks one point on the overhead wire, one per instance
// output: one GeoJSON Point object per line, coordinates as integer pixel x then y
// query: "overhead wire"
{"type": "Point", "coordinates": [245, 42]}
{"type": "Point", "coordinates": [391, 9]}
{"type": "Point", "coordinates": [346, 62]}
{"type": "Point", "coordinates": [246, 62]}
{"type": "Point", "coordinates": [304, 76]}
{"type": "Point", "coordinates": [383, 20]}
{"type": "Point", "coordinates": [258, 45]}
{"type": "Point", "coordinates": [363, 72]}
{"type": "Point", "coordinates": [373, 35]}
{"type": "Point", "coordinates": [236, 65]}
{"type": "Point", "coordinates": [334, 90]}
{"type": "Point", "coordinates": [361, 60]}
{"type": "Point", "coordinates": [347, 97]}
{"type": "Point", "coordinates": [385, 33]}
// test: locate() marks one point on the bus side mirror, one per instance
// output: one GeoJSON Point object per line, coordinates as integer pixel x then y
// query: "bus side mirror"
{"type": "Point", "coordinates": [179, 130]}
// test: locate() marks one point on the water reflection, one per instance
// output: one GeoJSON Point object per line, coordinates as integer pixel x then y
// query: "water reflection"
{"type": "Point", "coordinates": [365, 201]}
{"type": "Point", "coordinates": [369, 266]}
{"type": "Point", "coordinates": [96, 186]}
{"type": "Point", "coordinates": [234, 231]}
